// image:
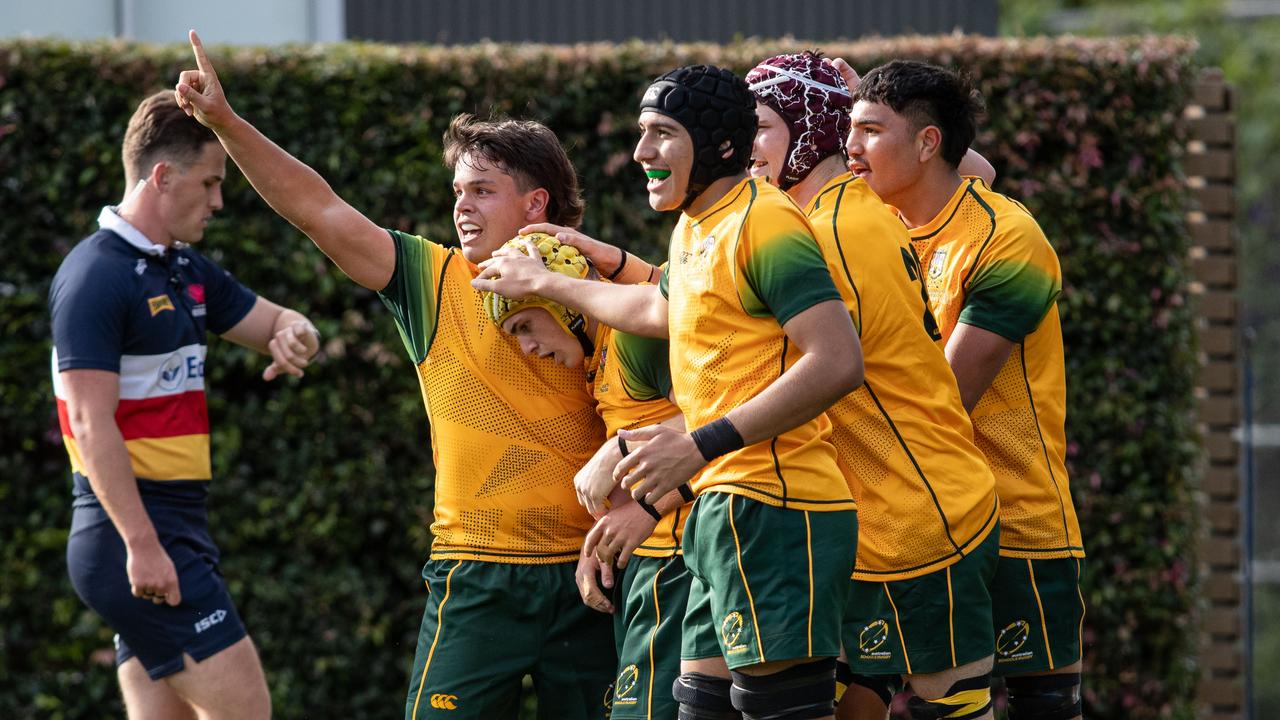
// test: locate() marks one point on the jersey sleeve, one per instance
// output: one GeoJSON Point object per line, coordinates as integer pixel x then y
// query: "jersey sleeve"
{"type": "Point", "coordinates": [644, 365]}
{"type": "Point", "coordinates": [411, 293]}
{"type": "Point", "coordinates": [781, 269]}
{"type": "Point", "coordinates": [88, 318]}
{"type": "Point", "coordinates": [1014, 284]}
{"type": "Point", "coordinates": [227, 301]}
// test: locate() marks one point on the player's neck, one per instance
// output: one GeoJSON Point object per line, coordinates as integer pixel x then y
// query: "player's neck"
{"type": "Point", "coordinates": [922, 202]}
{"type": "Point", "coordinates": [140, 209]}
{"type": "Point", "coordinates": [713, 194]}
{"type": "Point", "coordinates": [824, 172]}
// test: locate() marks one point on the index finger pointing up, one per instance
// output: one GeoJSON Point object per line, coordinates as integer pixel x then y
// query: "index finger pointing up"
{"type": "Point", "coordinates": [202, 60]}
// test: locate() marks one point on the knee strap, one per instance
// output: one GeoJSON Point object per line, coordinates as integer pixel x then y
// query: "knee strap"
{"type": "Point", "coordinates": [800, 692]}
{"type": "Point", "coordinates": [966, 699]}
{"type": "Point", "coordinates": [704, 697]}
{"type": "Point", "coordinates": [881, 685]}
{"type": "Point", "coordinates": [1045, 697]}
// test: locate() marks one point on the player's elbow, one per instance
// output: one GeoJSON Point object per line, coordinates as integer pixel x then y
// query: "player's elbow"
{"type": "Point", "coordinates": [847, 370]}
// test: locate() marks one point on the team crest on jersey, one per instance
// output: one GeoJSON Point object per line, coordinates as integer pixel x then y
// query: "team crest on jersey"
{"type": "Point", "coordinates": [937, 263]}
{"type": "Point", "coordinates": [706, 245]}
{"type": "Point", "coordinates": [159, 304]}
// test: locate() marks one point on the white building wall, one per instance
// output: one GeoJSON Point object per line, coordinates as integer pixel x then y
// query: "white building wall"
{"type": "Point", "coordinates": [241, 22]}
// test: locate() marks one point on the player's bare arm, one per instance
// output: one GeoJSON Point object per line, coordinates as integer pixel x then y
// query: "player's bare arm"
{"type": "Point", "coordinates": [830, 367]}
{"type": "Point", "coordinates": [976, 356]}
{"type": "Point", "coordinates": [594, 483]}
{"type": "Point", "coordinates": [92, 398]}
{"type": "Point", "coordinates": [361, 249]}
{"type": "Point", "coordinates": [286, 335]}
{"type": "Point", "coordinates": [636, 309]}
{"type": "Point", "coordinates": [612, 262]}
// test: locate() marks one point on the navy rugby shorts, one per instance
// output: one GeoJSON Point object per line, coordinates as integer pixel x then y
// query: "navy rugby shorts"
{"type": "Point", "coordinates": [204, 623]}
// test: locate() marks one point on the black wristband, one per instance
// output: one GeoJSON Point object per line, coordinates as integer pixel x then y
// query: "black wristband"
{"type": "Point", "coordinates": [653, 511]}
{"type": "Point", "coordinates": [717, 438]}
{"type": "Point", "coordinates": [686, 492]}
{"type": "Point", "coordinates": [622, 445]}
{"type": "Point", "coordinates": [621, 264]}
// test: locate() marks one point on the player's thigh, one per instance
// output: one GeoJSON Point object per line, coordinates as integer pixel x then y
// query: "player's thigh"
{"type": "Point", "coordinates": [147, 699]}
{"type": "Point", "coordinates": [481, 633]}
{"type": "Point", "coordinates": [1037, 615]}
{"type": "Point", "coordinates": [775, 579]}
{"type": "Point", "coordinates": [922, 625]}
{"type": "Point", "coordinates": [228, 684]}
{"type": "Point", "coordinates": [577, 656]}
{"type": "Point", "coordinates": [651, 609]}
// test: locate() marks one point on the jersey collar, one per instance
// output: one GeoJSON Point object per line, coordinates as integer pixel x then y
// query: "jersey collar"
{"type": "Point", "coordinates": [109, 219]}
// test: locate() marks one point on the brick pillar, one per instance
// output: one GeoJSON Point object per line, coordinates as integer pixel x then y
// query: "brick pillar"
{"type": "Point", "coordinates": [1210, 168]}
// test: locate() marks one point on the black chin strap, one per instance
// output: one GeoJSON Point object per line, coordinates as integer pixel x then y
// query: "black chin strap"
{"type": "Point", "coordinates": [579, 329]}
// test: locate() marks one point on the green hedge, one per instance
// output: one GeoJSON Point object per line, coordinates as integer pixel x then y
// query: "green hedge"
{"type": "Point", "coordinates": [323, 489]}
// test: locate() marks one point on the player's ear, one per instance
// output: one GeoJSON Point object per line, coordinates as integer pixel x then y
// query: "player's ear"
{"type": "Point", "coordinates": [537, 202]}
{"type": "Point", "coordinates": [928, 142]}
{"type": "Point", "coordinates": [160, 175]}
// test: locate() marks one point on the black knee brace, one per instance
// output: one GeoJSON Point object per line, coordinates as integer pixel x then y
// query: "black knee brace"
{"type": "Point", "coordinates": [1045, 697]}
{"type": "Point", "coordinates": [966, 699]}
{"type": "Point", "coordinates": [798, 693]}
{"type": "Point", "coordinates": [704, 697]}
{"type": "Point", "coordinates": [881, 685]}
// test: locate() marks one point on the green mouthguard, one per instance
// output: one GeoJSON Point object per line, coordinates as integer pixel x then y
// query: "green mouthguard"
{"type": "Point", "coordinates": [658, 174]}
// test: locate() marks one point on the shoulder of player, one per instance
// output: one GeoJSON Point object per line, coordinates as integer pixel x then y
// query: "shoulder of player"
{"type": "Point", "coordinates": [1012, 218]}
{"type": "Point", "coordinates": [103, 257]}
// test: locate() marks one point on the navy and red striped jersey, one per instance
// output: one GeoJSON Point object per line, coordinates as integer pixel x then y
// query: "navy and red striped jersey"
{"type": "Point", "coordinates": [122, 304]}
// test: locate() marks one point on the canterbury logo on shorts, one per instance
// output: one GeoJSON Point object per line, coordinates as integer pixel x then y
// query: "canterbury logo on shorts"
{"type": "Point", "coordinates": [441, 701]}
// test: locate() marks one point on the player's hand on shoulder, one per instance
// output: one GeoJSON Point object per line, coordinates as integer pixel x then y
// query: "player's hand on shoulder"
{"type": "Point", "coordinates": [199, 93]}
{"type": "Point", "coordinates": [667, 459]}
{"type": "Point", "coordinates": [292, 349]}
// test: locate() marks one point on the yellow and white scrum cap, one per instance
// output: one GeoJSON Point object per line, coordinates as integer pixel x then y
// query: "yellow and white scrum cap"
{"type": "Point", "coordinates": [557, 257]}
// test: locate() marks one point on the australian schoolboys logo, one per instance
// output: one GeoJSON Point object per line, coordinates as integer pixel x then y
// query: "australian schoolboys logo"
{"type": "Point", "coordinates": [624, 687]}
{"type": "Point", "coordinates": [731, 633]}
{"type": "Point", "coordinates": [1011, 641]}
{"type": "Point", "coordinates": [872, 639]}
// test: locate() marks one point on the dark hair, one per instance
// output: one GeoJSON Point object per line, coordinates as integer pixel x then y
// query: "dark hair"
{"type": "Point", "coordinates": [160, 131]}
{"type": "Point", "coordinates": [527, 151]}
{"type": "Point", "coordinates": [928, 95]}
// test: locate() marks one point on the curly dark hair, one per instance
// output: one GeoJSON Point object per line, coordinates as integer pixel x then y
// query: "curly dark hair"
{"type": "Point", "coordinates": [928, 95]}
{"type": "Point", "coordinates": [526, 150]}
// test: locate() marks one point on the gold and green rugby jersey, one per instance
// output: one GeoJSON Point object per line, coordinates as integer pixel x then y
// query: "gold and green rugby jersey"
{"type": "Point", "coordinates": [925, 495]}
{"type": "Point", "coordinates": [988, 264]}
{"type": "Point", "coordinates": [631, 382]}
{"type": "Point", "coordinates": [737, 273]}
{"type": "Point", "coordinates": [508, 431]}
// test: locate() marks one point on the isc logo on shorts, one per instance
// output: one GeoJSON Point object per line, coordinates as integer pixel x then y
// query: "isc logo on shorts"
{"type": "Point", "coordinates": [443, 701]}
{"type": "Point", "coordinates": [214, 618]}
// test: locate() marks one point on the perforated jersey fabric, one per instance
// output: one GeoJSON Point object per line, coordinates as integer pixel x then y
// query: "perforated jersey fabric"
{"type": "Point", "coordinates": [988, 264]}
{"type": "Point", "coordinates": [737, 273]}
{"type": "Point", "coordinates": [925, 494]}
{"type": "Point", "coordinates": [508, 431]}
